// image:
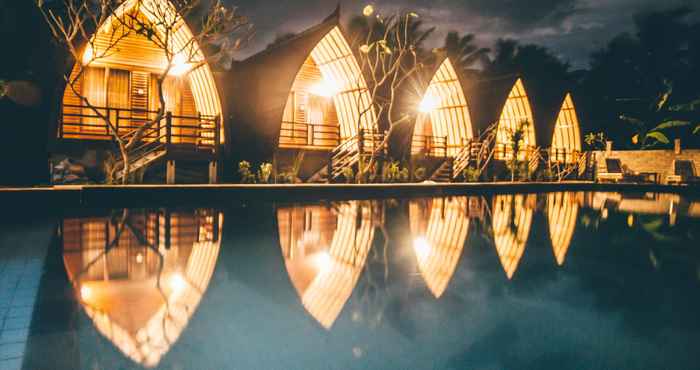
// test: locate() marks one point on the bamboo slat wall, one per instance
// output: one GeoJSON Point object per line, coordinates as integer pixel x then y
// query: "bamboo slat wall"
{"type": "Point", "coordinates": [340, 69]}
{"type": "Point", "coordinates": [439, 227]}
{"type": "Point", "coordinates": [516, 110]}
{"type": "Point", "coordinates": [142, 58]}
{"type": "Point", "coordinates": [562, 215]}
{"type": "Point", "coordinates": [567, 133]}
{"type": "Point", "coordinates": [512, 220]}
{"type": "Point", "coordinates": [305, 107]}
{"type": "Point", "coordinates": [325, 251]}
{"type": "Point", "coordinates": [450, 115]}
{"type": "Point", "coordinates": [118, 289]}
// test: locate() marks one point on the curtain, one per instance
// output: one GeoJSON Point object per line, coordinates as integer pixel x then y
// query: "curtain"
{"type": "Point", "coordinates": [118, 95]}
{"type": "Point", "coordinates": [94, 92]}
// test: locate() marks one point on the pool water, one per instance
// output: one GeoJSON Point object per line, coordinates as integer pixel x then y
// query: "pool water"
{"type": "Point", "coordinates": [510, 281]}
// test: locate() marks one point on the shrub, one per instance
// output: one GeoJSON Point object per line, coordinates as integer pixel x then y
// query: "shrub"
{"type": "Point", "coordinates": [264, 173]}
{"type": "Point", "coordinates": [419, 174]}
{"type": "Point", "coordinates": [244, 171]}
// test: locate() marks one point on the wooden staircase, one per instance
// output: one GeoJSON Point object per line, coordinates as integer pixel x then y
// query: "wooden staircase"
{"type": "Point", "coordinates": [466, 156]}
{"type": "Point", "coordinates": [444, 171]}
{"type": "Point", "coordinates": [348, 155]}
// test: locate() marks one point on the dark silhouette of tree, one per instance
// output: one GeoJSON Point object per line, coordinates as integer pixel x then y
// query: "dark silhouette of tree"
{"type": "Point", "coordinates": [464, 53]}
{"type": "Point", "coordinates": [535, 62]}
{"type": "Point", "coordinates": [630, 75]}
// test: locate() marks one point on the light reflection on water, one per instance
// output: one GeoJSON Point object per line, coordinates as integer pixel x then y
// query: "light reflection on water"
{"type": "Point", "coordinates": [499, 281]}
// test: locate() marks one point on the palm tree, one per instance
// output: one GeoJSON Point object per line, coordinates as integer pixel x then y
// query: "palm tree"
{"type": "Point", "coordinates": [464, 53]}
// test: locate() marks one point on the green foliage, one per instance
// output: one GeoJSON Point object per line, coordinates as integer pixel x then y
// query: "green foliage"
{"type": "Point", "coordinates": [246, 174]}
{"type": "Point", "coordinates": [265, 173]}
{"type": "Point", "coordinates": [349, 175]}
{"type": "Point", "coordinates": [420, 174]}
{"type": "Point", "coordinates": [595, 141]}
{"type": "Point", "coordinates": [393, 172]}
{"type": "Point", "coordinates": [471, 174]}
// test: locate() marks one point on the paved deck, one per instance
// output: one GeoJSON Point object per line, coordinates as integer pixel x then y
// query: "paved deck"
{"type": "Point", "coordinates": [92, 196]}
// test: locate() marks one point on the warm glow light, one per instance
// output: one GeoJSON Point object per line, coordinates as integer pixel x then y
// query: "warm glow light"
{"type": "Point", "coordinates": [368, 10]}
{"type": "Point", "coordinates": [630, 220]}
{"type": "Point", "coordinates": [325, 88]}
{"type": "Point", "coordinates": [179, 65]}
{"type": "Point", "coordinates": [139, 258]}
{"type": "Point", "coordinates": [85, 293]}
{"type": "Point", "coordinates": [421, 246]}
{"type": "Point", "coordinates": [323, 261]}
{"type": "Point", "coordinates": [177, 282]}
{"type": "Point", "coordinates": [604, 213]}
{"type": "Point", "coordinates": [88, 55]}
{"type": "Point", "coordinates": [429, 103]}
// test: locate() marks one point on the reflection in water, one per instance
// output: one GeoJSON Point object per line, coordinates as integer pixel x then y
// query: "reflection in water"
{"type": "Point", "coordinates": [512, 219]}
{"type": "Point", "coordinates": [140, 275]}
{"type": "Point", "coordinates": [325, 249]}
{"type": "Point", "coordinates": [562, 214]}
{"type": "Point", "coordinates": [439, 228]}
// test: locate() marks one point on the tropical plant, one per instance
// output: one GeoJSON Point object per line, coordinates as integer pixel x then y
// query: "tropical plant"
{"type": "Point", "coordinates": [245, 173]}
{"type": "Point", "coordinates": [264, 173]}
{"type": "Point", "coordinates": [471, 174]}
{"type": "Point", "coordinates": [595, 141]}
{"type": "Point", "coordinates": [463, 52]}
{"type": "Point", "coordinates": [516, 137]}
{"type": "Point", "coordinates": [420, 174]}
{"type": "Point", "coordinates": [389, 54]}
{"type": "Point", "coordinates": [651, 128]}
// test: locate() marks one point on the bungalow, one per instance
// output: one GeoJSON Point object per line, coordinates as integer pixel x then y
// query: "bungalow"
{"type": "Point", "coordinates": [305, 96]}
{"type": "Point", "coordinates": [122, 85]}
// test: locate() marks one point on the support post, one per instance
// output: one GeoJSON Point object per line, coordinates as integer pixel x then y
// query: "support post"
{"type": "Point", "coordinates": [329, 169]}
{"type": "Point", "coordinates": [170, 172]}
{"type": "Point", "coordinates": [677, 146]}
{"type": "Point", "coordinates": [213, 172]}
{"type": "Point", "coordinates": [168, 128]}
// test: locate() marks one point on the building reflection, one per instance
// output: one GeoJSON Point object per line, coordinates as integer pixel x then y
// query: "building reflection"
{"type": "Point", "coordinates": [325, 248]}
{"type": "Point", "coordinates": [439, 229]}
{"type": "Point", "coordinates": [562, 214]}
{"type": "Point", "coordinates": [140, 275]}
{"type": "Point", "coordinates": [672, 205]}
{"type": "Point", "coordinates": [512, 219]}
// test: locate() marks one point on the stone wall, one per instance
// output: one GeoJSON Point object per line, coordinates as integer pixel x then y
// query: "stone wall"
{"type": "Point", "coordinates": [659, 161]}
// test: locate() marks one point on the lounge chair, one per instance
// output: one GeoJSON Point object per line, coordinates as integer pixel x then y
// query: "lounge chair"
{"type": "Point", "coordinates": [616, 172]}
{"type": "Point", "coordinates": [683, 173]}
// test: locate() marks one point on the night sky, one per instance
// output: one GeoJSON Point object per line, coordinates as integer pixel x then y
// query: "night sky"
{"type": "Point", "coordinates": [571, 28]}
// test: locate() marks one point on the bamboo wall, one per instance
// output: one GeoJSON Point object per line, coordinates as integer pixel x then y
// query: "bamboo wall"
{"type": "Point", "coordinates": [450, 116]}
{"type": "Point", "coordinates": [567, 132]}
{"type": "Point", "coordinates": [562, 216]}
{"type": "Point", "coordinates": [516, 110]}
{"type": "Point", "coordinates": [118, 52]}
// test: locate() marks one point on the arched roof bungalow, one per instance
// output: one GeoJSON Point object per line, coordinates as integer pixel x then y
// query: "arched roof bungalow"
{"type": "Point", "coordinates": [304, 93]}
{"type": "Point", "coordinates": [324, 250]}
{"type": "Point", "coordinates": [557, 123]}
{"type": "Point", "coordinates": [142, 291]}
{"type": "Point", "coordinates": [121, 69]}
{"type": "Point", "coordinates": [562, 216]}
{"type": "Point", "coordinates": [512, 219]}
{"type": "Point", "coordinates": [443, 125]}
{"type": "Point", "coordinates": [439, 227]}
{"type": "Point", "coordinates": [503, 101]}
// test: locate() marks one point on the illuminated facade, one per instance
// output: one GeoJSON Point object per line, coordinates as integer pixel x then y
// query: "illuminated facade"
{"type": "Point", "coordinates": [515, 113]}
{"type": "Point", "coordinates": [120, 76]}
{"type": "Point", "coordinates": [443, 126]}
{"type": "Point", "coordinates": [439, 228]}
{"type": "Point", "coordinates": [141, 283]}
{"type": "Point", "coordinates": [325, 249]}
{"type": "Point", "coordinates": [566, 139]}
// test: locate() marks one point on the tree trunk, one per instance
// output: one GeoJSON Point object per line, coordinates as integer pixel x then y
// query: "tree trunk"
{"type": "Point", "coordinates": [127, 167]}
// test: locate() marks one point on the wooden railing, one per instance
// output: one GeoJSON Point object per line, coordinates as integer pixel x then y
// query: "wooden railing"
{"type": "Point", "coordinates": [314, 136]}
{"type": "Point", "coordinates": [79, 122]}
{"type": "Point", "coordinates": [432, 146]}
